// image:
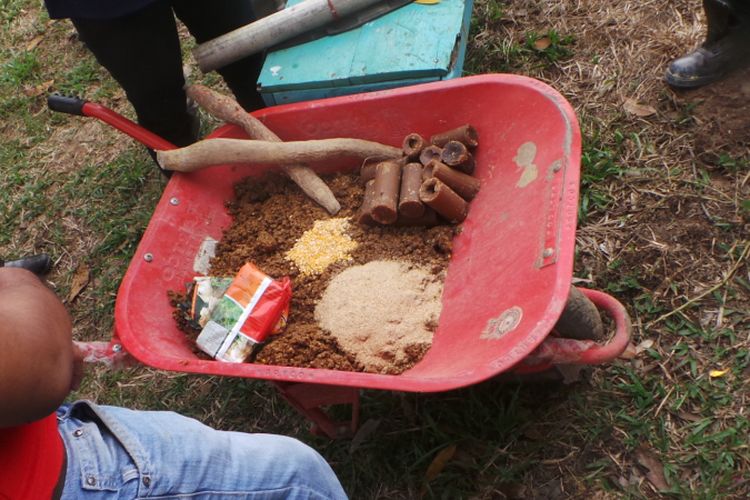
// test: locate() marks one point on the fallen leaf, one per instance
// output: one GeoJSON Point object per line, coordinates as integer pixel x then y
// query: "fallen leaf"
{"type": "Point", "coordinates": [718, 373]}
{"type": "Point", "coordinates": [33, 43]}
{"type": "Point", "coordinates": [654, 468]}
{"type": "Point", "coordinates": [36, 90]}
{"type": "Point", "coordinates": [637, 109]}
{"type": "Point", "coordinates": [439, 462]}
{"type": "Point", "coordinates": [644, 346]}
{"type": "Point", "coordinates": [80, 280]}
{"type": "Point", "coordinates": [629, 352]}
{"type": "Point", "coordinates": [542, 43]}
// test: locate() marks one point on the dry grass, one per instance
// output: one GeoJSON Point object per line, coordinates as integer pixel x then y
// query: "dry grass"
{"type": "Point", "coordinates": [672, 238]}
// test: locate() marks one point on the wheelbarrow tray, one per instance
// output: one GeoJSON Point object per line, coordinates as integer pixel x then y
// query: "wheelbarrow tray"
{"type": "Point", "coordinates": [510, 271]}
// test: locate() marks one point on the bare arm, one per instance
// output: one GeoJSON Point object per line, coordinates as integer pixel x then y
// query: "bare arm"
{"type": "Point", "coordinates": [36, 354]}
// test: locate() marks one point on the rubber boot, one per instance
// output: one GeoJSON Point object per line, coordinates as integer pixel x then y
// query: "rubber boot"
{"type": "Point", "coordinates": [38, 264]}
{"type": "Point", "coordinates": [727, 47]}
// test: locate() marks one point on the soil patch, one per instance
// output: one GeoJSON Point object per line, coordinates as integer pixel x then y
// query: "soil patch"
{"type": "Point", "coordinates": [270, 215]}
{"type": "Point", "coordinates": [720, 113]}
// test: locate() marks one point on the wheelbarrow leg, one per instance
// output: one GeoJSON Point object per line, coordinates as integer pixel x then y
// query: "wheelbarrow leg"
{"type": "Point", "coordinates": [308, 399]}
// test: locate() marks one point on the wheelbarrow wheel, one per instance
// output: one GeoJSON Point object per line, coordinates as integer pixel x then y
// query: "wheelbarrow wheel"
{"type": "Point", "coordinates": [580, 319]}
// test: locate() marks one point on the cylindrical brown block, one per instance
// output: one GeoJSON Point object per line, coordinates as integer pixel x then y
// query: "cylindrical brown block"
{"type": "Point", "coordinates": [427, 171]}
{"type": "Point", "coordinates": [367, 170]}
{"type": "Point", "coordinates": [468, 166]}
{"type": "Point", "coordinates": [387, 186]}
{"type": "Point", "coordinates": [413, 145]}
{"type": "Point", "coordinates": [436, 195]}
{"type": "Point", "coordinates": [465, 134]}
{"type": "Point", "coordinates": [364, 216]}
{"type": "Point", "coordinates": [464, 185]}
{"type": "Point", "coordinates": [428, 219]}
{"type": "Point", "coordinates": [430, 153]}
{"type": "Point", "coordinates": [457, 156]}
{"type": "Point", "coordinates": [409, 203]}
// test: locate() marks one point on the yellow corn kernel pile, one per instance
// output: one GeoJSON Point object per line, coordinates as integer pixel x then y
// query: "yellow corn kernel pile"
{"type": "Point", "coordinates": [327, 242]}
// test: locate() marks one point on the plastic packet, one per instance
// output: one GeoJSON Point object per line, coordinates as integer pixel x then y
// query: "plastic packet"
{"type": "Point", "coordinates": [207, 292]}
{"type": "Point", "coordinates": [253, 306]}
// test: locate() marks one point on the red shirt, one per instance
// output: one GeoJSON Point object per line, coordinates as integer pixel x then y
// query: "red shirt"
{"type": "Point", "coordinates": [31, 457]}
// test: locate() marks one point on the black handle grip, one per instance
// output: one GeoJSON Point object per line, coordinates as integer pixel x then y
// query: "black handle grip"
{"type": "Point", "coordinates": [65, 104]}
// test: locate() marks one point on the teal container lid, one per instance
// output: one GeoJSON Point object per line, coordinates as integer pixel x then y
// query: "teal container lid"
{"type": "Point", "coordinates": [414, 41]}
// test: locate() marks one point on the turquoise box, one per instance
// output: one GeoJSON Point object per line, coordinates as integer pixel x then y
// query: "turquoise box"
{"type": "Point", "coordinates": [416, 43]}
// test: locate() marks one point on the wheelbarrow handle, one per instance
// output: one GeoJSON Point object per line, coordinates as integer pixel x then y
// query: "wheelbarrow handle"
{"type": "Point", "coordinates": [76, 106]}
{"type": "Point", "coordinates": [110, 353]}
{"type": "Point", "coordinates": [561, 351]}
{"type": "Point", "coordinates": [598, 354]}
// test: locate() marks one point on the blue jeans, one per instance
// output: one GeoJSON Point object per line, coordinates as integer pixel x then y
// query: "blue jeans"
{"type": "Point", "coordinates": [119, 453]}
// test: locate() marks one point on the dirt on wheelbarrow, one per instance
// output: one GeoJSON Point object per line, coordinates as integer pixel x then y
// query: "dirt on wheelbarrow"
{"type": "Point", "coordinates": [269, 215]}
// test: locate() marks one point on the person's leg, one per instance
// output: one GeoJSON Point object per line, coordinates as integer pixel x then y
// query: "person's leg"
{"type": "Point", "coordinates": [165, 455]}
{"type": "Point", "coordinates": [740, 9]}
{"type": "Point", "coordinates": [207, 21]}
{"type": "Point", "coordinates": [142, 52]}
{"type": "Point", "coordinates": [726, 48]}
{"type": "Point", "coordinates": [718, 17]}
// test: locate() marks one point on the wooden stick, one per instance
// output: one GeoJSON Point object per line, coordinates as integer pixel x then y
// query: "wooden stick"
{"type": "Point", "coordinates": [227, 109]}
{"type": "Point", "coordinates": [276, 28]}
{"type": "Point", "coordinates": [222, 151]}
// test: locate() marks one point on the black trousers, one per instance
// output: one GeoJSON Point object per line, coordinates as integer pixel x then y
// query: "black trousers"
{"type": "Point", "coordinates": [142, 52]}
{"type": "Point", "coordinates": [739, 8]}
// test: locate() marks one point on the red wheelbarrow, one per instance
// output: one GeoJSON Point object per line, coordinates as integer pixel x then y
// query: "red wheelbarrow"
{"type": "Point", "coordinates": [508, 279]}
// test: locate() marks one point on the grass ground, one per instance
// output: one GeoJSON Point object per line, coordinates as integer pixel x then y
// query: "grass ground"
{"type": "Point", "coordinates": [663, 226]}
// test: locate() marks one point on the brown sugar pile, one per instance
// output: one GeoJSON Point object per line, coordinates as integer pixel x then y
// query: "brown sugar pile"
{"type": "Point", "coordinates": [270, 215]}
{"type": "Point", "coordinates": [382, 312]}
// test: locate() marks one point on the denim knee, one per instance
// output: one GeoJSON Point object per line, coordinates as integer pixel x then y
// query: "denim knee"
{"type": "Point", "coordinates": [303, 466]}
{"type": "Point", "coordinates": [173, 456]}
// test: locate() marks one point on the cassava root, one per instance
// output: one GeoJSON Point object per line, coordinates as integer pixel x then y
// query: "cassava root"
{"type": "Point", "coordinates": [232, 151]}
{"type": "Point", "coordinates": [227, 109]}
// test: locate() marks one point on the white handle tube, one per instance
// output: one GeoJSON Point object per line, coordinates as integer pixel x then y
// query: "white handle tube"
{"type": "Point", "coordinates": [271, 30]}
